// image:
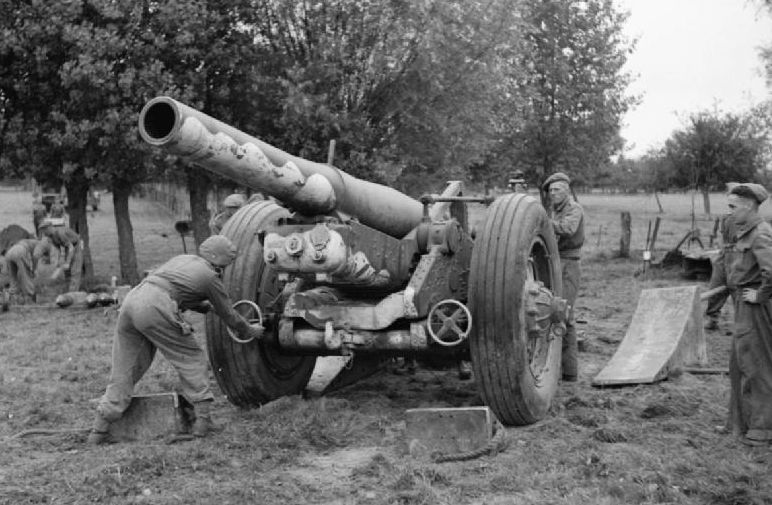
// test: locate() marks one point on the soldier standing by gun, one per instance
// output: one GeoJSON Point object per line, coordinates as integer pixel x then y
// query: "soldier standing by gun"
{"type": "Point", "coordinates": [150, 318]}
{"type": "Point", "coordinates": [717, 301]}
{"type": "Point", "coordinates": [70, 248]}
{"type": "Point", "coordinates": [745, 268]}
{"type": "Point", "coordinates": [231, 204]}
{"type": "Point", "coordinates": [568, 223]}
{"type": "Point", "coordinates": [517, 182]}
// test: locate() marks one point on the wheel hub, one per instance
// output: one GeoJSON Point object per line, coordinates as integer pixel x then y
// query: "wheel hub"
{"type": "Point", "coordinates": [545, 319]}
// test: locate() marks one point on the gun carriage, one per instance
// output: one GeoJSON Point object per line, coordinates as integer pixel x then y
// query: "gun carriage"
{"type": "Point", "coordinates": [342, 266]}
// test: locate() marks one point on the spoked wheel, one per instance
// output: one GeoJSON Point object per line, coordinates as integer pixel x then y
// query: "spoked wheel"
{"type": "Point", "coordinates": [515, 272]}
{"type": "Point", "coordinates": [252, 373]}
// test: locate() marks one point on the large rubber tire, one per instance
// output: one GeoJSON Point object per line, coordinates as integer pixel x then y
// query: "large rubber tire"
{"type": "Point", "coordinates": [252, 374]}
{"type": "Point", "coordinates": [517, 243]}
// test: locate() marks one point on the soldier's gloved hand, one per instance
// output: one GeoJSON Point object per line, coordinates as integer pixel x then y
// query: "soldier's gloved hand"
{"type": "Point", "coordinates": [255, 331]}
{"type": "Point", "coordinates": [750, 295]}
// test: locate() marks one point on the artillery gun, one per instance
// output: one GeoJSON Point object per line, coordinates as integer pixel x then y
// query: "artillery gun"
{"type": "Point", "coordinates": [341, 266]}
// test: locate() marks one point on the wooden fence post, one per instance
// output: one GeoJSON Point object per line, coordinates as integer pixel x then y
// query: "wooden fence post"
{"type": "Point", "coordinates": [624, 240]}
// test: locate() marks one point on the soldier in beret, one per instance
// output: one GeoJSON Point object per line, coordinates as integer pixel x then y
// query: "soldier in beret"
{"type": "Point", "coordinates": [568, 223]}
{"type": "Point", "coordinates": [746, 269]}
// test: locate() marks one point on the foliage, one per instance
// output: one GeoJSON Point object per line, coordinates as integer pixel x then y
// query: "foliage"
{"type": "Point", "coordinates": [651, 173]}
{"type": "Point", "coordinates": [413, 92]}
{"type": "Point", "coordinates": [715, 148]}
{"type": "Point", "coordinates": [573, 87]}
{"type": "Point", "coordinates": [399, 85]}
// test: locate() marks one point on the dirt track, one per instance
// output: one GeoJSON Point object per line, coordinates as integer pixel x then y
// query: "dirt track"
{"type": "Point", "coordinates": [645, 444]}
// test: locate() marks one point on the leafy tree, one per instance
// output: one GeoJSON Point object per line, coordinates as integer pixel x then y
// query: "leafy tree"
{"type": "Point", "coordinates": [210, 51]}
{"type": "Point", "coordinates": [117, 69]}
{"type": "Point", "coordinates": [573, 87]}
{"type": "Point", "coordinates": [88, 67]}
{"type": "Point", "coordinates": [402, 85]}
{"type": "Point", "coordinates": [38, 139]}
{"type": "Point", "coordinates": [715, 148]}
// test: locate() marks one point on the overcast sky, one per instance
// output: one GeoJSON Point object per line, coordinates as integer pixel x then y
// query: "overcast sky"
{"type": "Point", "coordinates": [692, 55]}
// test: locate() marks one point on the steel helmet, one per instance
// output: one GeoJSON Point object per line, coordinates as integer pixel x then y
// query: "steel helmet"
{"type": "Point", "coordinates": [218, 250]}
{"type": "Point", "coordinates": [235, 200]}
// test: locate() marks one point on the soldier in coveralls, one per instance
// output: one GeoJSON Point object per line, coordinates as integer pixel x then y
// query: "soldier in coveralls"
{"type": "Point", "coordinates": [568, 223]}
{"type": "Point", "coordinates": [745, 266]}
{"type": "Point", "coordinates": [150, 318]}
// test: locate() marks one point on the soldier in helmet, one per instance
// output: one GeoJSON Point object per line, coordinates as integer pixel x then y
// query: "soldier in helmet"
{"type": "Point", "coordinates": [231, 204]}
{"type": "Point", "coordinates": [517, 183]}
{"type": "Point", "coordinates": [150, 318]}
{"type": "Point", "coordinates": [22, 263]}
{"type": "Point", "coordinates": [568, 223]}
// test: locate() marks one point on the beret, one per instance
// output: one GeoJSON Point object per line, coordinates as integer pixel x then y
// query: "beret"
{"type": "Point", "coordinates": [556, 177]}
{"type": "Point", "coordinates": [750, 190]}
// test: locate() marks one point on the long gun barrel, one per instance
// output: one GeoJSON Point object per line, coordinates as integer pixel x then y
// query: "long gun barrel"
{"type": "Point", "coordinates": [308, 187]}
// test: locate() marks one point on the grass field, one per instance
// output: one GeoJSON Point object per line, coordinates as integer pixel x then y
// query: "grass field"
{"type": "Point", "coordinates": [642, 444]}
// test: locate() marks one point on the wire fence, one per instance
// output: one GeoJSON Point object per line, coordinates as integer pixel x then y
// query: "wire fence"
{"type": "Point", "coordinates": [176, 198]}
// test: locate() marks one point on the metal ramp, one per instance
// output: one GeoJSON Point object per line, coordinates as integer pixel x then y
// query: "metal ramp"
{"type": "Point", "coordinates": [665, 333]}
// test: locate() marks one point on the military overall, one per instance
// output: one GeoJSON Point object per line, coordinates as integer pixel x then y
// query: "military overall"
{"type": "Point", "coordinates": [748, 264]}
{"type": "Point", "coordinates": [568, 223]}
{"type": "Point", "coordinates": [150, 318]}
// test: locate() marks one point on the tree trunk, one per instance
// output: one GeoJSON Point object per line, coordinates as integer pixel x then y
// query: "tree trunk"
{"type": "Point", "coordinates": [706, 200]}
{"type": "Point", "coordinates": [624, 240]}
{"type": "Point", "coordinates": [77, 198]}
{"type": "Point", "coordinates": [198, 182]}
{"type": "Point", "coordinates": [127, 253]}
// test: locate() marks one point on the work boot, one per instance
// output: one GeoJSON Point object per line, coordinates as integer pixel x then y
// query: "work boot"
{"type": "Point", "coordinates": [203, 423]}
{"type": "Point", "coordinates": [100, 431]}
{"type": "Point", "coordinates": [711, 323]}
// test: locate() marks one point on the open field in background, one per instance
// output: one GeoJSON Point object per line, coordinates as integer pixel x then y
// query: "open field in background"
{"type": "Point", "coordinates": [348, 448]}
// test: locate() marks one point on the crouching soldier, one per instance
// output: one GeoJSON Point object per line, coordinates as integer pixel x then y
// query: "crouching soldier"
{"type": "Point", "coordinates": [21, 268]}
{"type": "Point", "coordinates": [150, 318]}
